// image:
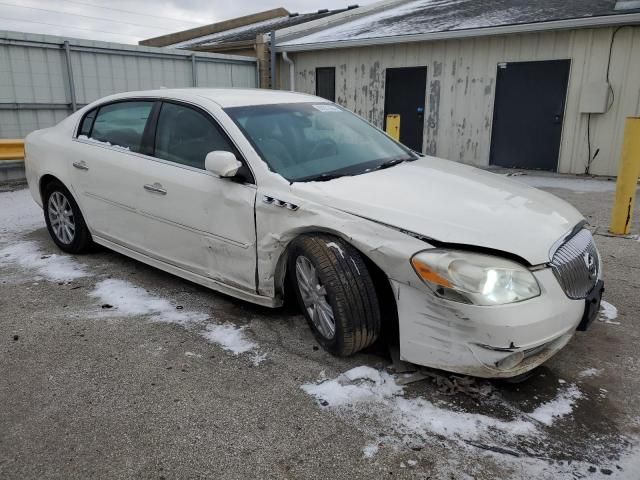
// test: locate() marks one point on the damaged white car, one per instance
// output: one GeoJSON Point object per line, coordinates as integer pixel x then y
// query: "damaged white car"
{"type": "Point", "coordinates": [259, 193]}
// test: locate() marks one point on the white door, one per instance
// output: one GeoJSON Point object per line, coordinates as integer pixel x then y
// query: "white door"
{"type": "Point", "coordinates": [103, 161]}
{"type": "Point", "coordinates": [191, 218]}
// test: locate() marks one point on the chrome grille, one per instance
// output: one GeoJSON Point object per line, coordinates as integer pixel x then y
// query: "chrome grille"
{"type": "Point", "coordinates": [576, 265]}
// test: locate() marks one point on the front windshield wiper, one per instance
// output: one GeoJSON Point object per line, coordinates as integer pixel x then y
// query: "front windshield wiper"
{"type": "Point", "coordinates": [323, 177]}
{"type": "Point", "coordinates": [393, 163]}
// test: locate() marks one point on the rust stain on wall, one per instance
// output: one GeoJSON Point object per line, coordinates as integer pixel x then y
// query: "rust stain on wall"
{"type": "Point", "coordinates": [433, 119]}
{"type": "Point", "coordinates": [375, 115]}
{"type": "Point", "coordinates": [341, 92]}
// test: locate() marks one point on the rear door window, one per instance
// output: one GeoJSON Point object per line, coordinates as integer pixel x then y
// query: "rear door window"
{"type": "Point", "coordinates": [121, 124]}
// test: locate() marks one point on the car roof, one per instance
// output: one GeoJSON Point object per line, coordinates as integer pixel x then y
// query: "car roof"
{"type": "Point", "coordinates": [227, 97]}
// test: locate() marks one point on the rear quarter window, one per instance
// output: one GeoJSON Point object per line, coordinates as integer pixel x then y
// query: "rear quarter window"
{"type": "Point", "coordinates": [87, 123]}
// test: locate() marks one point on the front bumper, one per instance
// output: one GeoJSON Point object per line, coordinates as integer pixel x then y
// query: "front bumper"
{"type": "Point", "coordinates": [485, 341]}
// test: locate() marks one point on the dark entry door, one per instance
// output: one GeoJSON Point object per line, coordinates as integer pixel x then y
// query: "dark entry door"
{"type": "Point", "coordinates": [326, 83]}
{"type": "Point", "coordinates": [404, 95]}
{"type": "Point", "coordinates": [527, 115]}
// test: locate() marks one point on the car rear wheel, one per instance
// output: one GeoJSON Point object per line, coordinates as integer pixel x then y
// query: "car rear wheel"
{"type": "Point", "coordinates": [336, 293]}
{"type": "Point", "coordinates": [64, 220]}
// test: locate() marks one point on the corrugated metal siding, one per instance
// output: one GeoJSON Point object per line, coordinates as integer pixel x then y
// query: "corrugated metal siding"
{"type": "Point", "coordinates": [34, 83]}
{"type": "Point", "coordinates": [461, 87]}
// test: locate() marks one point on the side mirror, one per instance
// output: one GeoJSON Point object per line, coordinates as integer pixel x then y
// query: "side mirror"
{"type": "Point", "coordinates": [221, 163]}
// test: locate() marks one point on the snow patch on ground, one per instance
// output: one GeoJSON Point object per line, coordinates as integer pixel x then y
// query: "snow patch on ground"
{"type": "Point", "coordinates": [20, 214]}
{"type": "Point", "coordinates": [364, 392]}
{"type": "Point", "coordinates": [229, 337]}
{"type": "Point", "coordinates": [371, 400]}
{"type": "Point", "coordinates": [53, 267]}
{"type": "Point", "coordinates": [123, 298]}
{"type": "Point", "coordinates": [590, 372]}
{"type": "Point", "coordinates": [370, 450]}
{"type": "Point", "coordinates": [608, 313]}
{"type": "Point", "coordinates": [128, 299]}
{"type": "Point", "coordinates": [346, 390]}
{"type": "Point", "coordinates": [560, 406]}
{"type": "Point", "coordinates": [257, 358]}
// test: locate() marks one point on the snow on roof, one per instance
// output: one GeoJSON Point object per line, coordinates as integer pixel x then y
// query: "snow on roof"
{"type": "Point", "coordinates": [432, 16]}
{"type": "Point", "coordinates": [237, 32]}
{"type": "Point", "coordinates": [249, 32]}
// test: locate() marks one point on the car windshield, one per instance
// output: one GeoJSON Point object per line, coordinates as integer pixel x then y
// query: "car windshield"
{"type": "Point", "coordinates": [316, 141]}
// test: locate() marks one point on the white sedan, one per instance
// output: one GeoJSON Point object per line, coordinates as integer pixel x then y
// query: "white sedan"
{"type": "Point", "coordinates": [264, 194]}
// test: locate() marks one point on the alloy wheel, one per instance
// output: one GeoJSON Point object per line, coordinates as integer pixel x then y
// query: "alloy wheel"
{"type": "Point", "coordinates": [314, 297]}
{"type": "Point", "coordinates": [61, 217]}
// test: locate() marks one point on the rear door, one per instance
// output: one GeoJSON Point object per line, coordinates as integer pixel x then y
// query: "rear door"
{"type": "Point", "coordinates": [104, 159]}
{"type": "Point", "coordinates": [192, 218]}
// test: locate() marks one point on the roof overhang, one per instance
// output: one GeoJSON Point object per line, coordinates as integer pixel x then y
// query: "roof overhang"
{"type": "Point", "coordinates": [241, 44]}
{"type": "Point", "coordinates": [573, 23]}
{"type": "Point", "coordinates": [192, 33]}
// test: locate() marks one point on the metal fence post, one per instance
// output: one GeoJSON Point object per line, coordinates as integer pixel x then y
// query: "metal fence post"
{"type": "Point", "coordinates": [72, 85]}
{"type": "Point", "coordinates": [194, 70]}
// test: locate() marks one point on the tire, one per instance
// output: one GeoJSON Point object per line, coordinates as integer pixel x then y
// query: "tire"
{"type": "Point", "coordinates": [75, 238]}
{"type": "Point", "coordinates": [342, 276]}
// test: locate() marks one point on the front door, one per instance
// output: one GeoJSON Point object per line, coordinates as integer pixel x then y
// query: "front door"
{"type": "Point", "coordinates": [191, 218]}
{"type": "Point", "coordinates": [528, 113]}
{"type": "Point", "coordinates": [404, 94]}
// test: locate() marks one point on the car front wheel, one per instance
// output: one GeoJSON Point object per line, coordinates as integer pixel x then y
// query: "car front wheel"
{"type": "Point", "coordinates": [336, 293]}
{"type": "Point", "coordinates": [64, 220]}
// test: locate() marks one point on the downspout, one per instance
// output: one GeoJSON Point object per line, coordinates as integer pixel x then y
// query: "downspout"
{"type": "Point", "coordinates": [292, 72]}
{"type": "Point", "coordinates": [272, 59]}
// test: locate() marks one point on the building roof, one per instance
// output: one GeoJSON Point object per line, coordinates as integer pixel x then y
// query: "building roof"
{"type": "Point", "coordinates": [407, 18]}
{"type": "Point", "coordinates": [249, 32]}
{"type": "Point", "coordinates": [239, 29]}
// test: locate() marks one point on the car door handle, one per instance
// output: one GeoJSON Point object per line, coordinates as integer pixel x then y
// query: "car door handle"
{"type": "Point", "coordinates": [155, 188]}
{"type": "Point", "coordinates": [80, 165]}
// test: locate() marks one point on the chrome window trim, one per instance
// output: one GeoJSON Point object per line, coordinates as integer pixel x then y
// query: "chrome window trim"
{"type": "Point", "coordinates": [170, 99]}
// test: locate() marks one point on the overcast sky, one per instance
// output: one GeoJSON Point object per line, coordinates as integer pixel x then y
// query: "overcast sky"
{"type": "Point", "coordinates": [128, 21]}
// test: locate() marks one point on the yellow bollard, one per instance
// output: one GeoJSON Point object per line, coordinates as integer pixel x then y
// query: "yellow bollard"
{"type": "Point", "coordinates": [393, 126]}
{"type": "Point", "coordinates": [627, 183]}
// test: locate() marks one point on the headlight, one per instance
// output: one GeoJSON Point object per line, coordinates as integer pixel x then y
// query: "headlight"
{"type": "Point", "coordinates": [475, 278]}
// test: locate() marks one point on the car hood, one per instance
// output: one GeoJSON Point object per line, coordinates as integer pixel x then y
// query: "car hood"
{"type": "Point", "coordinates": [453, 203]}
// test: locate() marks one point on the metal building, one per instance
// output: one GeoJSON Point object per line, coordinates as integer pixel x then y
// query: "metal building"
{"type": "Point", "coordinates": [44, 78]}
{"type": "Point", "coordinates": [240, 36]}
{"type": "Point", "coordinates": [541, 85]}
